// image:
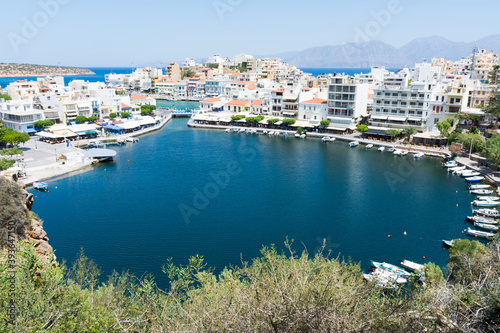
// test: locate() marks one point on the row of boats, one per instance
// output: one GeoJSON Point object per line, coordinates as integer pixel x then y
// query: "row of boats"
{"type": "Point", "coordinates": [389, 276]}
{"type": "Point", "coordinates": [470, 176]}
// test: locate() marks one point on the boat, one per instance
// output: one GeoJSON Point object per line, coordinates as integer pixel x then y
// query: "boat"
{"type": "Point", "coordinates": [404, 152]}
{"type": "Point", "coordinates": [132, 139]}
{"type": "Point", "coordinates": [412, 266]}
{"type": "Point", "coordinates": [381, 149]}
{"type": "Point", "coordinates": [390, 268]}
{"type": "Point", "coordinates": [474, 179]}
{"type": "Point", "coordinates": [485, 203]}
{"type": "Point", "coordinates": [277, 133]}
{"type": "Point", "coordinates": [271, 133]}
{"type": "Point", "coordinates": [418, 154]}
{"type": "Point", "coordinates": [391, 276]}
{"type": "Point", "coordinates": [302, 136]}
{"type": "Point", "coordinates": [235, 130]}
{"type": "Point", "coordinates": [97, 144]}
{"type": "Point", "coordinates": [381, 281]}
{"type": "Point", "coordinates": [481, 192]}
{"type": "Point", "coordinates": [353, 144]}
{"type": "Point", "coordinates": [481, 219]}
{"type": "Point", "coordinates": [228, 130]}
{"type": "Point", "coordinates": [391, 150]}
{"type": "Point", "coordinates": [448, 243]}
{"type": "Point", "coordinates": [481, 234]}
{"type": "Point", "coordinates": [384, 279]}
{"type": "Point", "coordinates": [450, 164]}
{"type": "Point", "coordinates": [368, 146]}
{"type": "Point", "coordinates": [297, 135]}
{"type": "Point", "coordinates": [459, 172]}
{"type": "Point", "coordinates": [265, 132]}
{"type": "Point", "coordinates": [486, 226]}
{"type": "Point", "coordinates": [487, 212]}
{"type": "Point", "coordinates": [479, 187]}
{"type": "Point", "coordinates": [489, 198]}
{"type": "Point", "coordinates": [39, 186]}
{"type": "Point", "coordinates": [462, 168]}
{"type": "Point", "coordinates": [470, 174]}
{"type": "Point", "coordinates": [397, 152]}
{"type": "Point", "coordinates": [241, 130]}
{"type": "Point", "coordinates": [254, 131]}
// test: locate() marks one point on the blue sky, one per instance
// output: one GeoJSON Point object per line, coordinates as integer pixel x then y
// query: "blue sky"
{"type": "Point", "coordinates": [126, 32]}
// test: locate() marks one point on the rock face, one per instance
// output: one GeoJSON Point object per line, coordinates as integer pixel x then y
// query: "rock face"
{"type": "Point", "coordinates": [17, 222]}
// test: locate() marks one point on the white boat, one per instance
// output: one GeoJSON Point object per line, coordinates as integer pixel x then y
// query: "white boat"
{"type": "Point", "coordinates": [404, 152]}
{"type": "Point", "coordinates": [397, 152]}
{"type": "Point", "coordinates": [481, 234]}
{"type": "Point", "coordinates": [470, 174]}
{"type": "Point", "coordinates": [276, 133]}
{"type": "Point", "coordinates": [418, 154]}
{"type": "Point", "coordinates": [482, 219]}
{"type": "Point", "coordinates": [487, 212]}
{"type": "Point", "coordinates": [481, 192]}
{"type": "Point", "coordinates": [456, 169]}
{"type": "Point", "coordinates": [328, 139]}
{"type": "Point", "coordinates": [448, 243]}
{"type": "Point", "coordinates": [391, 150]}
{"type": "Point", "coordinates": [459, 172]}
{"type": "Point", "coordinates": [271, 133]}
{"type": "Point", "coordinates": [332, 139]}
{"type": "Point", "coordinates": [486, 226]}
{"type": "Point", "coordinates": [489, 198]}
{"type": "Point", "coordinates": [381, 281]}
{"type": "Point", "coordinates": [412, 266]}
{"type": "Point", "coordinates": [479, 187]}
{"type": "Point", "coordinates": [302, 136]}
{"type": "Point", "coordinates": [368, 146]}
{"type": "Point", "coordinates": [39, 186]}
{"type": "Point", "coordinates": [297, 135]}
{"type": "Point", "coordinates": [474, 179]}
{"type": "Point", "coordinates": [391, 276]}
{"type": "Point", "coordinates": [450, 164]}
{"type": "Point", "coordinates": [485, 203]}
{"type": "Point", "coordinates": [228, 130]}
{"type": "Point", "coordinates": [235, 130]}
{"type": "Point", "coordinates": [381, 149]}
{"type": "Point", "coordinates": [241, 130]}
{"type": "Point", "coordinates": [353, 144]}
{"type": "Point", "coordinates": [391, 268]}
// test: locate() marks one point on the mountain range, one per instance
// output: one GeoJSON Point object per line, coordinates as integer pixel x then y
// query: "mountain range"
{"type": "Point", "coordinates": [371, 53]}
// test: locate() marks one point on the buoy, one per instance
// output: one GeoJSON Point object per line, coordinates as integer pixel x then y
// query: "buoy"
{"type": "Point", "coordinates": [404, 233]}
{"type": "Point", "coordinates": [457, 205]}
{"type": "Point", "coordinates": [423, 257]}
{"type": "Point", "coordinates": [56, 187]}
{"type": "Point", "coordinates": [128, 160]}
{"type": "Point", "coordinates": [36, 196]}
{"type": "Point", "coordinates": [389, 236]}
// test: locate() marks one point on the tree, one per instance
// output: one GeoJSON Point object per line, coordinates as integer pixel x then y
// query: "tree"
{"type": "Point", "coordinates": [147, 109]}
{"type": "Point", "coordinates": [362, 128]}
{"type": "Point", "coordinates": [5, 96]}
{"type": "Point", "coordinates": [112, 115]}
{"type": "Point", "coordinates": [92, 119]}
{"type": "Point", "coordinates": [478, 143]}
{"type": "Point", "coordinates": [492, 149]}
{"type": "Point", "coordinates": [6, 164]}
{"type": "Point", "coordinates": [393, 132]}
{"type": "Point", "coordinates": [125, 114]}
{"type": "Point", "coordinates": [324, 123]}
{"type": "Point", "coordinates": [272, 121]}
{"type": "Point", "coordinates": [493, 107]}
{"type": "Point", "coordinates": [213, 66]}
{"type": "Point", "coordinates": [187, 73]}
{"type": "Point", "coordinates": [238, 117]}
{"type": "Point", "coordinates": [16, 138]}
{"type": "Point", "coordinates": [465, 259]}
{"type": "Point", "coordinates": [11, 152]}
{"type": "Point", "coordinates": [43, 124]}
{"type": "Point", "coordinates": [409, 131]}
{"type": "Point", "coordinates": [474, 130]}
{"type": "Point", "coordinates": [81, 119]}
{"type": "Point", "coordinates": [289, 121]}
{"type": "Point", "coordinates": [443, 127]}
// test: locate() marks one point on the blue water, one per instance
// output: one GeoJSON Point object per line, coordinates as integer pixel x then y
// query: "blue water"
{"type": "Point", "coordinates": [127, 214]}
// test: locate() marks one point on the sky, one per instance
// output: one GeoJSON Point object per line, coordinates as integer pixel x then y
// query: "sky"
{"type": "Point", "coordinates": [100, 33]}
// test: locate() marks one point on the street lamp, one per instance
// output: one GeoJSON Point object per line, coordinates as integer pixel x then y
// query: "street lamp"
{"type": "Point", "coordinates": [470, 151]}
{"type": "Point", "coordinates": [55, 150]}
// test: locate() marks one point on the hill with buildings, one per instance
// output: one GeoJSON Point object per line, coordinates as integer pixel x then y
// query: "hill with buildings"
{"type": "Point", "coordinates": [23, 70]}
{"type": "Point", "coordinates": [371, 53]}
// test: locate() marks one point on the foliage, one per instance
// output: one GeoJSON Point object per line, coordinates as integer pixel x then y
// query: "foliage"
{"type": "Point", "coordinates": [15, 138]}
{"type": "Point", "coordinates": [393, 132]}
{"type": "Point", "coordinates": [362, 128]}
{"type": "Point", "coordinates": [477, 140]}
{"type": "Point", "coordinates": [242, 68]}
{"type": "Point", "coordinates": [272, 121]}
{"type": "Point", "coordinates": [125, 114]}
{"type": "Point", "coordinates": [11, 152]}
{"type": "Point", "coordinates": [433, 273]}
{"type": "Point", "coordinates": [112, 115]}
{"type": "Point", "coordinates": [299, 130]}
{"type": "Point", "coordinates": [324, 123]}
{"type": "Point", "coordinates": [43, 124]}
{"type": "Point", "coordinates": [474, 130]}
{"type": "Point", "coordinates": [493, 108]}
{"type": "Point", "coordinates": [409, 131]}
{"type": "Point", "coordinates": [443, 127]}
{"type": "Point", "coordinates": [492, 149]}
{"type": "Point", "coordinates": [6, 163]}
{"type": "Point", "coordinates": [238, 117]}
{"type": "Point", "coordinates": [255, 119]}
{"type": "Point", "coordinates": [81, 119]}
{"type": "Point", "coordinates": [147, 109]}
{"type": "Point", "coordinates": [213, 66]}
{"type": "Point", "coordinates": [92, 119]}
{"type": "Point", "coordinates": [187, 73]}
{"type": "Point", "coordinates": [5, 96]}
{"type": "Point", "coordinates": [289, 121]}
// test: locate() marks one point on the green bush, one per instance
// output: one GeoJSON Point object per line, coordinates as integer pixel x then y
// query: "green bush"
{"type": "Point", "coordinates": [112, 115]}
{"type": "Point", "coordinates": [272, 121]}
{"type": "Point", "coordinates": [125, 114]}
{"type": "Point", "coordinates": [43, 124]}
{"type": "Point", "coordinates": [238, 117]}
{"type": "Point", "coordinates": [81, 119]}
{"type": "Point", "coordinates": [92, 119]}
{"type": "Point", "coordinates": [289, 121]}
{"type": "Point", "coordinates": [325, 123]}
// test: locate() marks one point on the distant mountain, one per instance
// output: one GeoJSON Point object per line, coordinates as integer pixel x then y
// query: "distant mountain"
{"type": "Point", "coordinates": [24, 70]}
{"type": "Point", "coordinates": [367, 54]}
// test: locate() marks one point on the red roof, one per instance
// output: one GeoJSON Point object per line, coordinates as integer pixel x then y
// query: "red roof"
{"type": "Point", "coordinates": [237, 102]}
{"type": "Point", "coordinates": [257, 102]}
{"type": "Point", "coordinates": [125, 106]}
{"type": "Point", "coordinates": [316, 101]}
{"type": "Point", "coordinates": [211, 100]}
{"type": "Point", "coordinates": [252, 86]}
{"type": "Point", "coordinates": [138, 97]}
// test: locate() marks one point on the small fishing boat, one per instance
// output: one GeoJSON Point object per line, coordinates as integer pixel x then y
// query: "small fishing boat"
{"type": "Point", "coordinates": [391, 276]}
{"type": "Point", "coordinates": [381, 281]}
{"type": "Point", "coordinates": [418, 154]}
{"type": "Point", "coordinates": [39, 186]}
{"type": "Point", "coordinates": [404, 152]}
{"type": "Point", "coordinates": [328, 139]}
{"type": "Point", "coordinates": [391, 268]}
{"type": "Point", "coordinates": [235, 130]}
{"type": "Point", "coordinates": [474, 179]}
{"type": "Point", "coordinates": [391, 150]}
{"type": "Point", "coordinates": [489, 198]}
{"type": "Point", "coordinates": [450, 164]}
{"type": "Point", "coordinates": [462, 168]}
{"type": "Point", "coordinates": [353, 144]}
{"type": "Point", "coordinates": [265, 132]}
{"type": "Point", "coordinates": [381, 149]}
{"type": "Point", "coordinates": [228, 130]}
{"type": "Point", "coordinates": [460, 172]}
{"type": "Point", "coordinates": [276, 133]}
{"type": "Point", "coordinates": [271, 133]}
{"type": "Point", "coordinates": [412, 266]}
{"type": "Point", "coordinates": [397, 152]}
{"type": "Point", "coordinates": [470, 174]}
{"type": "Point", "coordinates": [481, 192]}
{"type": "Point", "coordinates": [448, 243]}
{"type": "Point", "coordinates": [479, 187]}
{"type": "Point", "coordinates": [487, 212]}
{"type": "Point", "coordinates": [297, 135]}
{"type": "Point", "coordinates": [481, 234]}
{"type": "Point", "coordinates": [485, 203]}
{"type": "Point", "coordinates": [482, 219]}
{"type": "Point", "coordinates": [241, 130]}
{"type": "Point", "coordinates": [302, 136]}
{"type": "Point", "coordinates": [486, 226]}
{"type": "Point", "coordinates": [368, 146]}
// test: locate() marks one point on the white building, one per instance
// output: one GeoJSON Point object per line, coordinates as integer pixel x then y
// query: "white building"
{"type": "Point", "coordinates": [313, 109]}
{"type": "Point", "coordinates": [19, 115]}
{"type": "Point", "coordinates": [347, 102]}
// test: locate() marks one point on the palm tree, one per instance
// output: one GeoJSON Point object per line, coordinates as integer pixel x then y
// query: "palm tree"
{"type": "Point", "coordinates": [409, 131]}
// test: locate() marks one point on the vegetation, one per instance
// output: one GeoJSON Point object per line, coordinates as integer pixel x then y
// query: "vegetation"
{"type": "Point", "coordinates": [6, 163]}
{"type": "Point", "coordinates": [474, 130]}
{"type": "Point", "coordinates": [477, 141]}
{"type": "Point", "coordinates": [395, 133]}
{"type": "Point", "coordinates": [493, 107]}
{"type": "Point", "coordinates": [255, 119]}
{"type": "Point", "coordinates": [238, 117]}
{"type": "Point", "coordinates": [242, 68]}
{"type": "Point", "coordinates": [409, 131]}
{"type": "Point", "coordinates": [125, 114]}
{"type": "Point", "coordinates": [299, 130]}
{"type": "Point", "coordinates": [443, 127]}
{"type": "Point", "coordinates": [187, 74]}
{"type": "Point", "coordinates": [8, 135]}
{"type": "Point", "coordinates": [324, 123]}
{"type": "Point", "coordinates": [492, 149]}
{"type": "Point", "coordinates": [112, 115]}
{"type": "Point", "coordinates": [43, 124]}
{"type": "Point", "coordinates": [81, 119]}
{"type": "Point", "coordinates": [272, 121]}
{"type": "Point", "coordinates": [11, 152]}
{"type": "Point", "coordinates": [147, 109]}
{"type": "Point", "coordinates": [92, 119]}
{"type": "Point", "coordinates": [362, 128]}
{"type": "Point", "coordinates": [5, 96]}
{"type": "Point", "coordinates": [289, 121]}
{"type": "Point", "coordinates": [213, 66]}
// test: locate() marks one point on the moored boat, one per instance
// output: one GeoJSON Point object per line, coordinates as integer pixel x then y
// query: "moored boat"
{"type": "Point", "coordinates": [381, 149]}
{"type": "Point", "coordinates": [481, 191]}
{"type": "Point", "coordinates": [487, 212]}
{"type": "Point", "coordinates": [462, 168]}
{"type": "Point", "coordinates": [450, 164]}
{"type": "Point", "coordinates": [418, 154]}
{"type": "Point", "coordinates": [474, 179]}
{"type": "Point", "coordinates": [368, 146]}
{"type": "Point", "coordinates": [481, 219]}
{"type": "Point", "coordinates": [479, 187]}
{"type": "Point", "coordinates": [486, 226]}
{"type": "Point", "coordinates": [470, 174]}
{"type": "Point", "coordinates": [448, 243]}
{"type": "Point", "coordinates": [412, 266]}
{"type": "Point", "coordinates": [489, 198]}
{"type": "Point", "coordinates": [485, 203]}
{"type": "Point", "coordinates": [391, 268]}
{"type": "Point", "coordinates": [40, 186]}
{"type": "Point", "coordinates": [481, 234]}
{"type": "Point", "coordinates": [302, 136]}
{"type": "Point", "coordinates": [391, 150]}
{"type": "Point", "coordinates": [353, 144]}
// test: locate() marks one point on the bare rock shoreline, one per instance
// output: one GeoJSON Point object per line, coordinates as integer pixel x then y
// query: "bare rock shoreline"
{"type": "Point", "coordinates": [24, 70]}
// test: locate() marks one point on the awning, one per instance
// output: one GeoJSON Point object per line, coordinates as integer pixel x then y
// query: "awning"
{"type": "Point", "coordinates": [48, 135]}
{"type": "Point", "coordinates": [379, 117]}
{"type": "Point", "coordinates": [113, 128]}
{"type": "Point", "coordinates": [341, 120]}
{"type": "Point", "coordinates": [397, 118]}
{"type": "Point", "coordinates": [414, 119]}
{"type": "Point", "coordinates": [377, 131]}
{"type": "Point", "coordinates": [91, 132]}
{"type": "Point", "coordinates": [289, 113]}
{"type": "Point", "coordinates": [65, 133]}
{"type": "Point", "coordinates": [29, 130]}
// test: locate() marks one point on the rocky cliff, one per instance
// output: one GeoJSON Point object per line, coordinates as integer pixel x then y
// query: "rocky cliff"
{"type": "Point", "coordinates": [17, 222]}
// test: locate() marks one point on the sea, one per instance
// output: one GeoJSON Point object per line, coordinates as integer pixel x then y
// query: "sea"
{"type": "Point", "coordinates": [182, 192]}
